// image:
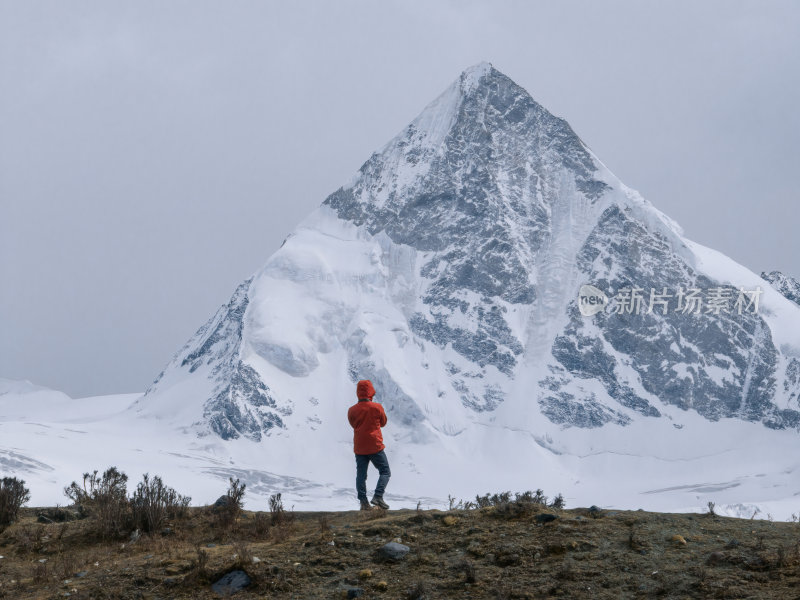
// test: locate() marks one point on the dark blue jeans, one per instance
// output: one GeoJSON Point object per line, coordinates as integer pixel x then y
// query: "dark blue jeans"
{"type": "Point", "coordinates": [381, 463]}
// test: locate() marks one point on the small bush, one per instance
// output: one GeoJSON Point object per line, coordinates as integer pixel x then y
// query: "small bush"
{"type": "Point", "coordinates": [153, 503]}
{"type": "Point", "coordinates": [228, 511]}
{"type": "Point", "coordinates": [261, 524]}
{"type": "Point", "coordinates": [65, 566]}
{"type": "Point", "coordinates": [30, 538]}
{"type": "Point", "coordinates": [276, 511]}
{"type": "Point", "coordinates": [105, 499]}
{"type": "Point", "coordinates": [236, 494]}
{"type": "Point", "coordinates": [536, 497]}
{"type": "Point", "coordinates": [243, 556]}
{"type": "Point", "coordinates": [198, 570]}
{"type": "Point", "coordinates": [324, 524]}
{"type": "Point", "coordinates": [558, 502]}
{"type": "Point", "coordinates": [13, 495]}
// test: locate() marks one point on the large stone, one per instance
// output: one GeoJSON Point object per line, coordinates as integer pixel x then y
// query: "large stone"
{"type": "Point", "coordinates": [230, 583]}
{"type": "Point", "coordinates": [393, 551]}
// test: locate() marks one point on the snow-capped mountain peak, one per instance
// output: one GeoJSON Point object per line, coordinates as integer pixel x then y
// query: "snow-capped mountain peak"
{"type": "Point", "coordinates": [467, 236]}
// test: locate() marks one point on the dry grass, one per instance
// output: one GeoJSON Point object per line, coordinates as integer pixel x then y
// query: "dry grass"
{"type": "Point", "coordinates": [492, 552]}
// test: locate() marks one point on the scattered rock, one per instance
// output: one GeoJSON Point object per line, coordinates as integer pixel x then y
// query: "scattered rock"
{"type": "Point", "coordinates": [678, 540]}
{"type": "Point", "coordinates": [393, 551]}
{"type": "Point", "coordinates": [167, 531]}
{"type": "Point", "coordinates": [595, 512]}
{"type": "Point", "coordinates": [545, 518]}
{"type": "Point", "coordinates": [351, 592]}
{"type": "Point", "coordinates": [507, 560]}
{"type": "Point", "coordinates": [418, 519]}
{"type": "Point", "coordinates": [474, 530]}
{"type": "Point", "coordinates": [222, 501]}
{"type": "Point", "coordinates": [716, 558]}
{"type": "Point", "coordinates": [81, 573]}
{"type": "Point", "coordinates": [732, 544]}
{"type": "Point", "coordinates": [211, 545]}
{"type": "Point", "coordinates": [476, 548]}
{"type": "Point", "coordinates": [135, 535]}
{"type": "Point", "coordinates": [556, 548]}
{"type": "Point", "coordinates": [230, 583]}
{"type": "Point", "coordinates": [56, 515]}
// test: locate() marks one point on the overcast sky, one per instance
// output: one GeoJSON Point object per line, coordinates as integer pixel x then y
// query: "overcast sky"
{"type": "Point", "coordinates": [154, 154]}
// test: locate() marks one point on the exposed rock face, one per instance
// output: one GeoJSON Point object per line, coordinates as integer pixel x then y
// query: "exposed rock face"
{"type": "Point", "coordinates": [785, 284]}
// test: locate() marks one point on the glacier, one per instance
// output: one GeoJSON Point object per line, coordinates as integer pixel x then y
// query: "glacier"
{"type": "Point", "coordinates": [447, 271]}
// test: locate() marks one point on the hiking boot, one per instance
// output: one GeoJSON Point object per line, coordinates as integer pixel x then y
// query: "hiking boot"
{"type": "Point", "coordinates": [378, 501]}
{"type": "Point", "coordinates": [365, 505]}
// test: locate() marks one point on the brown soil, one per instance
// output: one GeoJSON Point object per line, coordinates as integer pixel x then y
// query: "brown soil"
{"type": "Point", "coordinates": [496, 552]}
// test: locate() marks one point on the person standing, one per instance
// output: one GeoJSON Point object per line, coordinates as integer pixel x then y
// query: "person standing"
{"type": "Point", "coordinates": [366, 418]}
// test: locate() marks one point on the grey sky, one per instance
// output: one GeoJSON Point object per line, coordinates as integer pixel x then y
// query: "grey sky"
{"type": "Point", "coordinates": [154, 154]}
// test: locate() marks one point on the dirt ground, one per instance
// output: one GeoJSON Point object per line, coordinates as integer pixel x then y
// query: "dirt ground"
{"type": "Point", "coordinates": [504, 551]}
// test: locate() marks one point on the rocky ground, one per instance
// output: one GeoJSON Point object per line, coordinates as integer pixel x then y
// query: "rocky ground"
{"type": "Point", "coordinates": [508, 550]}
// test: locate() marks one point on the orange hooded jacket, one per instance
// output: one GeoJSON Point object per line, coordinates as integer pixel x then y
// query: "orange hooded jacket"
{"type": "Point", "coordinates": [366, 417]}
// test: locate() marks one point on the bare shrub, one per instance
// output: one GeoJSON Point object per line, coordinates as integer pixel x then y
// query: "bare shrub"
{"type": "Point", "coordinates": [103, 498]}
{"type": "Point", "coordinates": [153, 503]}
{"type": "Point", "coordinates": [13, 495]}
{"type": "Point", "coordinates": [536, 497]}
{"type": "Point", "coordinates": [30, 539]}
{"type": "Point", "coordinates": [558, 502]}
{"type": "Point", "coordinates": [198, 570]}
{"type": "Point", "coordinates": [261, 524]}
{"type": "Point", "coordinates": [324, 523]}
{"type": "Point", "coordinates": [276, 511]}
{"type": "Point", "coordinates": [228, 511]}
{"type": "Point", "coordinates": [40, 573]}
{"type": "Point", "coordinates": [65, 566]}
{"type": "Point", "coordinates": [242, 554]}
{"type": "Point", "coordinates": [281, 532]}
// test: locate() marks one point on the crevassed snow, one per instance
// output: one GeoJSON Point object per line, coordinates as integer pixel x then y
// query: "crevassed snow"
{"type": "Point", "coordinates": [727, 462]}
